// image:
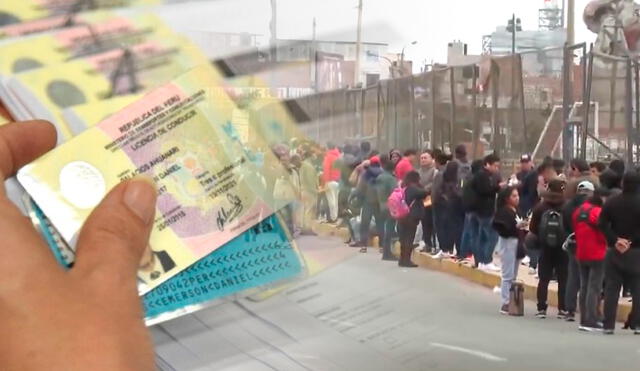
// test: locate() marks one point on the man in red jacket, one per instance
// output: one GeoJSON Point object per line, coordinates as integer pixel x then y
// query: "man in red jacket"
{"type": "Point", "coordinates": [407, 164]}
{"type": "Point", "coordinates": [330, 178]}
{"type": "Point", "coordinates": [591, 249]}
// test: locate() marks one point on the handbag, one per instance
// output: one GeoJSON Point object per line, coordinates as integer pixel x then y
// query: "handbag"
{"type": "Point", "coordinates": [516, 299]}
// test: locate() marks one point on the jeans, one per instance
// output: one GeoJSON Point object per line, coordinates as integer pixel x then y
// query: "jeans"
{"type": "Point", "coordinates": [469, 235]}
{"type": "Point", "coordinates": [389, 229]}
{"type": "Point", "coordinates": [573, 284]}
{"type": "Point", "coordinates": [443, 226]}
{"type": "Point", "coordinates": [552, 259]}
{"type": "Point", "coordinates": [370, 210]}
{"type": "Point", "coordinates": [428, 234]}
{"type": "Point", "coordinates": [507, 248]}
{"type": "Point", "coordinates": [486, 240]}
{"type": "Point", "coordinates": [332, 199]}
{"type": "Point", "coordinates": [591, 278]}
{"type": "Point", "coordinates": [618, 269]}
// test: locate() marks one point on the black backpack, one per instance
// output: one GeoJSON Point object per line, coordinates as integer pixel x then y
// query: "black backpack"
{"type": "Point", "coordinates": [552, 233]}
{"type": "Point", "coordinates": [583, 216]}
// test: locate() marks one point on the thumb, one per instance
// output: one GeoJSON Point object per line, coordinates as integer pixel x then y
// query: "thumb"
{"type": "Point", "coordinates": [116, 233]}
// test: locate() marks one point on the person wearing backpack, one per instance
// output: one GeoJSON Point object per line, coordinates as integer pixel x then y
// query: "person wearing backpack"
{"type": "Point", "coordinates": [457, 210]}
{"type": "Point", "coordinates": [547, 226]}
{"type": "Point", "coordinates": [385, 184]}
{"type": "Point", "coordinates": [414, 196]}
{"type": "Point", "coordinates": [591, 249]}
{"type": "Point", "coordinates": [585, 190]}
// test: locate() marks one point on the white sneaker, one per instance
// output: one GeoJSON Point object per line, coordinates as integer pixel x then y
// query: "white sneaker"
{"type": "Point", "coordinates": [421, 245]}
{"type": "Point", "coordinates": [525, 261]}
{"type": "Point", "coordinates": [482, 267]}
{"type": "Point", "coordinates": [532, 271]}
{"type": "Point", "coordinates": [497, 290]}
{"type": "Point", "coordinates": [438, 255]}
{"type": "Point", "coordinates": [494, 268]}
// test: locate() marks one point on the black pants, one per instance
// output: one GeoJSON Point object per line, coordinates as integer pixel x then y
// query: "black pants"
{"type": "Point", "coordinates": [552, 260]}
{"type": "Point", "coordinates": [618, 269]}
{"type": "Point", "coordinates": [573, 284]}
{"type": "Point", "coordinates": [428, 235]}
{"type": "Point", "coordinates": [407, 230]}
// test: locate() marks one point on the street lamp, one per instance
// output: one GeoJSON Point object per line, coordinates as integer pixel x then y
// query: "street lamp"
{"type": "Point", "coordinates": [402, 57]}
{"type": "Point", "coordinates": [391, 63]}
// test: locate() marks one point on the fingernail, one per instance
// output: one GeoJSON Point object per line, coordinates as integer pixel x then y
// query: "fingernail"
{"type": "Point", "coordinates": [140, 197]}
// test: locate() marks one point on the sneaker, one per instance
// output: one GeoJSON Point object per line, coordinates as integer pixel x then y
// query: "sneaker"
{"type": "Point", "coordinates": [492, 267]}
{"type": "Point", "coordinates": [608, 331]}
{"type": "Point", "coordinates": [562, 314]}
{"type": "Point", "coordinates": [363, 250]}
{"type": "Point", "coordinates": [570, 317]}
{"type": "Point", "coordinates": [532, 271]}
{"type": "Point", "coordinates": [636, 332]}
{"type": "Point", "coordinates": [504, 309]}
{"type": "Point", "coordinates": [438, 255]}
{"type": "Point", "coordinates": [542, 314]}
{"type": "Point", "coordinates": [596, 328]}
{"type": "Point", "coordinates": [525, 261]}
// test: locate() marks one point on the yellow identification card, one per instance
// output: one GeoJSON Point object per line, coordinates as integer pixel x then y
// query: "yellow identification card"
{"type": "Point", "coordinates": [212, 185]}
{"type": "Point", "coordinates": [46, 91]}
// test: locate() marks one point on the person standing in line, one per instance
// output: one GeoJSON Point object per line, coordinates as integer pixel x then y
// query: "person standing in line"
{"type": "Point", "coordinates": [526, 167]}
{"type": "Point", "coordinates": [427, 174]}
{"type": "Point", "coordinates": [584, 191]}
{"type": "Point", "coordinates": [535, 183]}
{"type": "Point", "coordinates": [445, 206]}
{"type": "Point", "coordinates": [591, 248]}
{"type": "Point", "coordinates": [385, 184]}
{"type": "Point", "coordinates": [414, 197]}
{"type": "Point", "coordinates": [546, 225]}
{"type": "Point", "coordinates": [439, 217]}
{"type": "Point", "coordinates": [370, 205]}
{"type": "Point", "coordinates": [506, 223]}
{"type": "Point", "coordinates": [470, 226]}
{"type": "Point", "coordinates": [457, 211]}
{"type": "Point", "coordinates": [485, 188]}
{"type": "Point", "coordinates": [407, 164]}
{"type": "Point", "coordinates": [331, 177]}
{"type": "Point", "coordinates": [619, 222]}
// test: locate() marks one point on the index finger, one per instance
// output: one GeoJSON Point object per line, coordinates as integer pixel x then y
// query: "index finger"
{"type": "Point", "coordinates": [21, 143]}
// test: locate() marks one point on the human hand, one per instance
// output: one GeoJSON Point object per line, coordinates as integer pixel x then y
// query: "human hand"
{"type": "Point", "coordinates": [623, 245]}
{"type": "Point", "coordinates": [87, 318]}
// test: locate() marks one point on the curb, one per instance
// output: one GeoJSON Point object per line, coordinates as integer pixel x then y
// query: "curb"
{"type": "Point", "coordinates": [487, 279]}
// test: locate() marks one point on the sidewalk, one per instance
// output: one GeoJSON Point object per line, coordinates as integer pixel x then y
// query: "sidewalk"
{"type": "Point", "coordinates": [464, 270]}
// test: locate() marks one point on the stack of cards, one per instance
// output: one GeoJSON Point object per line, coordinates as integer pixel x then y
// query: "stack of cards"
{"type": "Point", "coordinates": [130, 96]}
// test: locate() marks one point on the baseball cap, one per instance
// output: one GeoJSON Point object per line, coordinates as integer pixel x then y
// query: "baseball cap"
{"type": "Point", "coordinates": [374, 160]}
{"type": "Point", "coordinates": [586, 185]}
{"type": "Point", "coordinates": [525, 158]}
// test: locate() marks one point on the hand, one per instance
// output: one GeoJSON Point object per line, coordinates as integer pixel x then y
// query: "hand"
{"type": "Point", "coordinates": [623, 245]}
{"type": "Point", "coordinates": [87, 318]}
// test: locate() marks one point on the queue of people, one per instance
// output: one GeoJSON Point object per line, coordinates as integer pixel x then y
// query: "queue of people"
{"type": "Point", "coordinates": [577, 227]}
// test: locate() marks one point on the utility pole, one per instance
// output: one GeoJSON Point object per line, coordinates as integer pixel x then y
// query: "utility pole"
{"type": "Point", "coordinates": [514, 25]}
{"type": "Point", "coordinates": [314, 57]}
{"type": "Point", "coordinates": [356, 69]}
{"type": "Point", "coordinates": [571, 22]}
{"type": "Point", "coordinates": [273, 28]}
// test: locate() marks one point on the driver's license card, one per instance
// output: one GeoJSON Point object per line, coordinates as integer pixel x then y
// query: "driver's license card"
{"type": "Point", "coordinates": [211, 186]}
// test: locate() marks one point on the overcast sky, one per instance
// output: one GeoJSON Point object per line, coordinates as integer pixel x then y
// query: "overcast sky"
{"type": "Point", "coordinates": [430, 22]}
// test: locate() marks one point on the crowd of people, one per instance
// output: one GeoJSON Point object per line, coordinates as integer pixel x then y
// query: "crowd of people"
{"type": "Point", "coordinates": [574, 223]}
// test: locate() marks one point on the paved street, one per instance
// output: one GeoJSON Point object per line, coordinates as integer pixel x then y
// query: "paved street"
{"type": "Point", "coordinates": [366, 314]}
